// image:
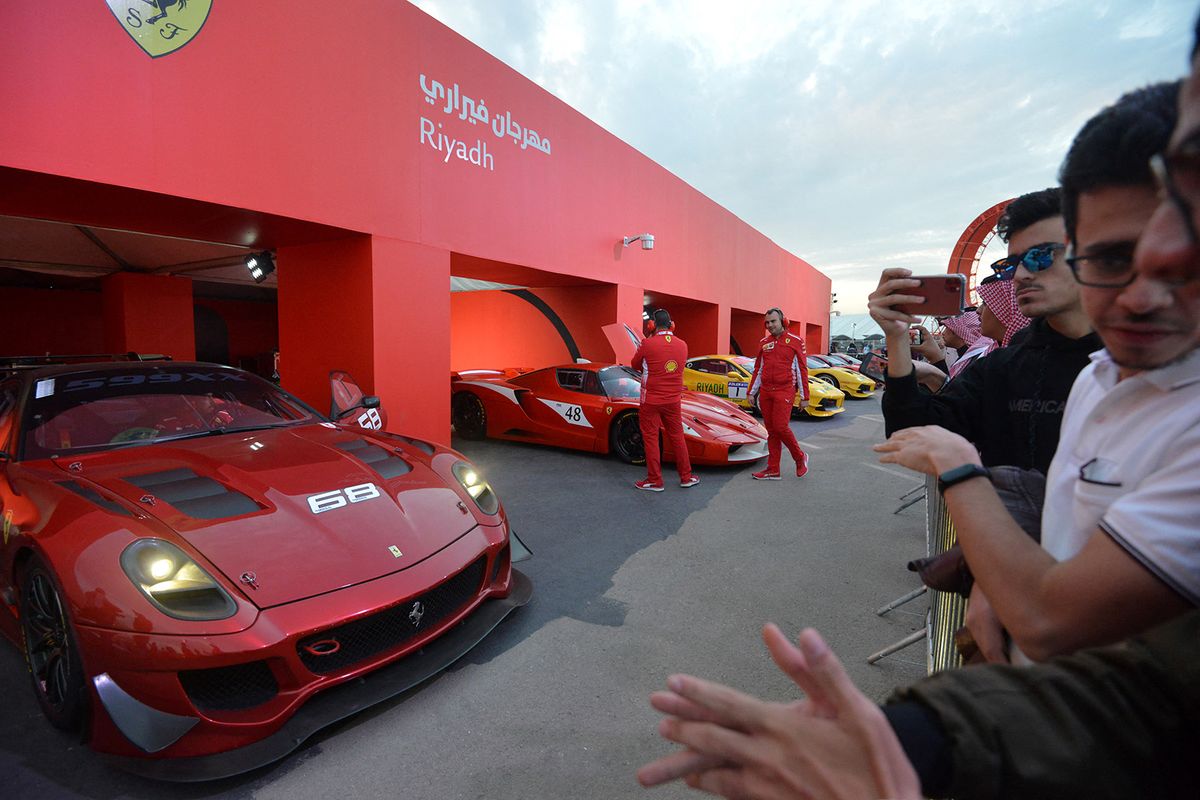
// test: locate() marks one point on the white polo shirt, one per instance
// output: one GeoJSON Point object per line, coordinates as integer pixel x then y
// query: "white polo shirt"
{"type": "Point", "coordinates": [1128, 462]}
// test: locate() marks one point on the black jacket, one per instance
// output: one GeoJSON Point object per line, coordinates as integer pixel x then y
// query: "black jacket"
{"type": "Point", "coordinates": [1121, 721]}
{"type": "Point", "coordinates": [1009, 404]}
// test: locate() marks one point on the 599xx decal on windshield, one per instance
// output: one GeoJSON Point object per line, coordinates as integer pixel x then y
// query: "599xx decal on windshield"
{"type": "Point", "coordinates": [136, 379]}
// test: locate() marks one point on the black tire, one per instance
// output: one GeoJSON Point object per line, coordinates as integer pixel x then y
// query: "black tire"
{"type": "Point", "coordinates": [625, 438]}
{"type": "Point", "coordinates": [832, 381]}
{"type": "Point", "coordinates": [468, 416]}
{"type": "Point", "coordinates": [51, 649]}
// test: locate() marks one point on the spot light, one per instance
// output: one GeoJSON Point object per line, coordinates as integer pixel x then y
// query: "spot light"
{"type": "Point", "coordinates": [260, 265]}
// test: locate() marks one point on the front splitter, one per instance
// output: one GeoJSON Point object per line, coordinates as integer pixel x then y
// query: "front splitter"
{"type": "Point", "coordinates": [340, 702]}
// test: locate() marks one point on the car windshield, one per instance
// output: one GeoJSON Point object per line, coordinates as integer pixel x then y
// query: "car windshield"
{"type": "Point", "coordinates": [745, 363]}
{"type": "Point", "coordinates": [621, 383]}
{"type": "Point", "coordinates": [91, 410]}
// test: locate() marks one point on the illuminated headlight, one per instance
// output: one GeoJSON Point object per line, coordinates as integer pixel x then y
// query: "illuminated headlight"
{"type": "Point", "coordinates": [174, 582]}
{"type": "Point", "coordinates": [474, 485]}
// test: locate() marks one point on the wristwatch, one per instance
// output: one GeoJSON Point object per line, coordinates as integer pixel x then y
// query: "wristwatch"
{"type": "Point", "coordinates": [960, 474]}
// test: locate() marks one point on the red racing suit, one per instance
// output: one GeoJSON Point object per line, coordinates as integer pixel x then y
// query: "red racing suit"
{"type": "Point", "coordinates": [660, 359]}
{"type": "Point", "coordinates": [780, 371]}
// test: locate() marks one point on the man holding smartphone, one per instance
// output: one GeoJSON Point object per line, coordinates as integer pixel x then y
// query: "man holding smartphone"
{"type": "Point", "coordinates": [780, 372]}
{"type": "Point", "coordinates": [1009, 404]}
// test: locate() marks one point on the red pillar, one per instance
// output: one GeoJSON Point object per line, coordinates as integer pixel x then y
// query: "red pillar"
{"type": "Point", "coordinates": [149, 314]}
{"type": "Point", "coordinates": [379, 309]}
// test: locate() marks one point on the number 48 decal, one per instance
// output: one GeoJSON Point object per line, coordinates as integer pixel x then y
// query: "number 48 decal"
{"type": "Point", "coordinates": [570, 412]}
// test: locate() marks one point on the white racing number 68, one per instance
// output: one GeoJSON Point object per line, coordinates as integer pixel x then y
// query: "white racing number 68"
{"type": "Point", "coordinates": [370, 419]}
{"type": "Point", "coordinates": [328, 501]}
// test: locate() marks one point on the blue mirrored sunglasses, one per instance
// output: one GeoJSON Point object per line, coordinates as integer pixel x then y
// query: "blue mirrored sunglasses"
{"type": "Point", "coordinates": [1035, 259]}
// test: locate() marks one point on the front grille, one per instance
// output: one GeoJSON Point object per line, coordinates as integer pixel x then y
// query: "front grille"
{"type": "Point", "coordinates": [828, 404]}
{"type": "Point", "coordinates": [230, 688]}
{"type": "Point", "coordinates": [733, 448]}
{"type": "Point", "coordinates": [347, 645]}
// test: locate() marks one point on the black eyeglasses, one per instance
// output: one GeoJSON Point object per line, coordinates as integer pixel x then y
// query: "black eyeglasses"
{"type": "Point", "coordinates": [1035, 259]}
{"type": "Point", "coordinates": [1108, 270]}
{"type": "Point", "coordinates": [1170, 171]}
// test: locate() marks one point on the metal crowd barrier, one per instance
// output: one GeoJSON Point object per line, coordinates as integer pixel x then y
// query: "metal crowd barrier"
{"type": "Point", "coordinates": [947, 610]}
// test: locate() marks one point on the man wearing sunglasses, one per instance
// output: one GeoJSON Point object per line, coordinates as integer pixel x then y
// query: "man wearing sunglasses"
{"type": "Point", "coordinates": [1009, 404]}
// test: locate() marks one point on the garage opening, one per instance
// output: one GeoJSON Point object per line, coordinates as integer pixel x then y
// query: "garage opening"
{"type": "Point", "coordinates": [507, 315]}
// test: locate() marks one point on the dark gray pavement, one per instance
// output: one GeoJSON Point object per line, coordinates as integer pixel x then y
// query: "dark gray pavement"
{"type": "Point", "coordinates": [628, 587]}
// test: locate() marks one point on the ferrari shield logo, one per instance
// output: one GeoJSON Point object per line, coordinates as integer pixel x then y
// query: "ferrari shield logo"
{"type": "Point", "coordinates": [161, 26]}
{"type": "Point", "coordinates": [608, 410]}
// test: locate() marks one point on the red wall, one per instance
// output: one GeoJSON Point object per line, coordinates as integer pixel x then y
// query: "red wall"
{"type": "Point", "coordinates": [77, 326]}
{"type": "Point", "coordinates": [149, 314]}
{"type": "Point", "coordinates": [253, 326]}
{"type": "Point", "coordinates": [493, 329]}
{"type": "Point", "coordinates": [229, 120]}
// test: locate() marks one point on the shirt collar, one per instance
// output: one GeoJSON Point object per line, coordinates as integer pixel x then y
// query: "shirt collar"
{"type": "Point", "coordinates": [1173, 376]}
{"type": "Point", "coordinates": [661, 333]}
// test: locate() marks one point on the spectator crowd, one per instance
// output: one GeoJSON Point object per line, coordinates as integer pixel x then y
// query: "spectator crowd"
{"type": "Point", "coordinates": [1061, 418]}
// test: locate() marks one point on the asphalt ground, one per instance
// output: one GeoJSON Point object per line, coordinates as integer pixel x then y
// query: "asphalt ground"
{"type": "Point", "coordinates": [629, 587]}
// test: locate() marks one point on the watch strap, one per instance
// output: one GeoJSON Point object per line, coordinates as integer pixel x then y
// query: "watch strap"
{"type": "Point", "coordinates": [962, 473]}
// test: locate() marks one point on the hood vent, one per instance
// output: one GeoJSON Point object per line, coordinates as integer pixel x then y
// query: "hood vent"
{"type": "Point", "coordinates": [423, 446]}
{"type": "Point", "coordinates": [91, 495]}
{"type": "Point", "coordinates": [375, 457]}
{"type": "Point", "coordinates": [196, 496]}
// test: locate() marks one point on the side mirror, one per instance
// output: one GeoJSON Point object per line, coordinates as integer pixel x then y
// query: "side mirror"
{"type": "Point", "coordinates": [370, 401]}
{"type": "Point", "coordinates": [733, 376]}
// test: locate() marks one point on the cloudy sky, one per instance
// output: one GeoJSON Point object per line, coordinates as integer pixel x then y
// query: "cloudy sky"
{"type": "Point", "coordinates": [856, 134]}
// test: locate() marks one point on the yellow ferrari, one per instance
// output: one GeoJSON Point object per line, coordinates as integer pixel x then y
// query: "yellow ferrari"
{"type": "Point", "coordinates": [850, 382]}
{"type": "Point", "coordinates": [729, 377]}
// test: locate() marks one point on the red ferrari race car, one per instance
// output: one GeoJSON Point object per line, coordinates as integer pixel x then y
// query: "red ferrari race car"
{"type": "Point", "coordinates": [202, 571]}
{"type": "Point", "coordinates": [594, 407]}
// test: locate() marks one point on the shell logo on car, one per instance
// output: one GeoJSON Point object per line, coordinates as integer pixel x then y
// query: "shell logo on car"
{"type": "Point", "coordinates": [729, 377]}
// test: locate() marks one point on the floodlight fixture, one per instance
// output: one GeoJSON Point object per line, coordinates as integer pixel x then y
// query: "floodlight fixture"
{"type": "Point", "coordinates": [260, 265]}
{"type": "Point", "coordinates": [647, 240]}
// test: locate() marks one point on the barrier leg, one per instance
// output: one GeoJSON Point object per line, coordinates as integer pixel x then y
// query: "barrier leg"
{"type": "Point", "coordinates": [911, 639]}
{"type": "Point", "coordinates": [899, 601]}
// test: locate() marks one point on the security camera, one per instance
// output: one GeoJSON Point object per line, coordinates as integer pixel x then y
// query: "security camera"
{"type": "Point", "coordinates": [647, 240]}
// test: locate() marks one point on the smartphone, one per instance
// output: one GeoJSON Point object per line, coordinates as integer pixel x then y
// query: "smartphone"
{"type": "Point", "coordinates": [916, 336]}
{"type": "Point", "coordinates": [944, 295]}
{"type": "Point", "coordinates": [873, 367]}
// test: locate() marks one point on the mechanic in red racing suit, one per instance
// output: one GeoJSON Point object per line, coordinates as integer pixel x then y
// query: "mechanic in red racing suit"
{"type": "Point", "coordinates": [779, 372]}
{"type": "Point", "coordinates": [660, 358]}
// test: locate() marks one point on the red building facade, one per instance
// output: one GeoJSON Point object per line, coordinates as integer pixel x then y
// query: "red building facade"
{"type": "Point", "coordinates": [377, 154]}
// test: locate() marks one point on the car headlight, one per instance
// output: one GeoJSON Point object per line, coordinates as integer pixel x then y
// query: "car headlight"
{"type": "Point", "coordinates": [474, 485]}
{"type": "Point", "coordinates": [690, 431]}
{"type": "Point", "coordinates": [175, 583]}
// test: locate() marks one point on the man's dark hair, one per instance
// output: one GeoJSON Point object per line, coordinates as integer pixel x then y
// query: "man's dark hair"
{"type": "Point", "coordinates": [1114, 147]}
{"type": "Point", "coordinates": [775, 310]}
{"type": "Point", "coordinates": [1028, 209]}
{"type": "Point", "coordinates": [662, 319]}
